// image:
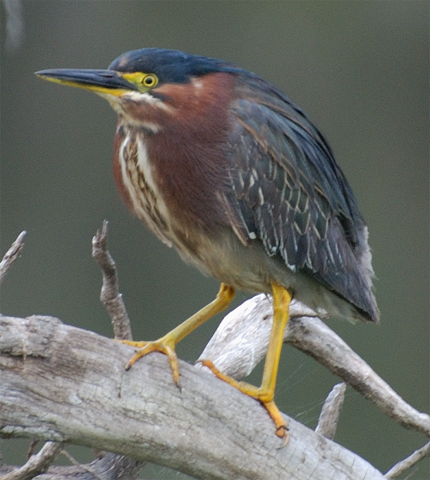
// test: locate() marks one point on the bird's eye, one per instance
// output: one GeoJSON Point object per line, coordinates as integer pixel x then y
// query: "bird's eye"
{"type": "Point", "coordinates": [149, 81]}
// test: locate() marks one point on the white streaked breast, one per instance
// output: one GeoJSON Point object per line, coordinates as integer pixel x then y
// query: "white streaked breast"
{"type": "Point", "coordinates": [137, 176]}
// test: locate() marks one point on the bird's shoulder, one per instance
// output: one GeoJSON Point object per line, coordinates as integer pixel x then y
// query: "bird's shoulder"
{"type": "Point", "coordinates": [274, 142]}
{"type": "Point", "coordinates": [288, 189]}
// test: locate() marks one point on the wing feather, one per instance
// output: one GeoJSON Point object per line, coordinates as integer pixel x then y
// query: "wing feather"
{"type": "Point", "coordinates": [290, 194]}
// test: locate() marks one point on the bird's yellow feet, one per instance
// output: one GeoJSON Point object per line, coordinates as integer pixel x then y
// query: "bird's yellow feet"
{"type": "Point", "coordinates": [168, 343]}
{"type": "Point", "coordinates": [266, 393]}
{"type": "Point", "coordinates": [164, 345]}
{"type": "Point", "coordinates": [260, 394]}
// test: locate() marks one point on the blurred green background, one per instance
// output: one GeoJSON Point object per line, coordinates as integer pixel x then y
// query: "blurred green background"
{"type": "Point", "coordinates": [361, 72]}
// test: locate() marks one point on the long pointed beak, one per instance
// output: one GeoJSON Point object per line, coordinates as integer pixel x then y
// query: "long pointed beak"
{"type": "Point", "coordinates": [100, 81]}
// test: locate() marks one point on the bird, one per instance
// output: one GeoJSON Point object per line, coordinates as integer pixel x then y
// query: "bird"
{"type": "Point", "coordinates": [221, 165]}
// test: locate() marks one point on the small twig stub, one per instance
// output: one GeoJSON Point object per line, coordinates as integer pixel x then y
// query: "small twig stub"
{"type": "Point", "coordinates": [329, 417]}
{"type": "Point", "coordinates": [11, 255]}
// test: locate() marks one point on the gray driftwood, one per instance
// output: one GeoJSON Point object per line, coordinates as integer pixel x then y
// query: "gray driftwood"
{"type": "Point", "coordinates": [241, 340]}
{"type": "Point", "coordinates": [62, 384]}
{"type": "Point", "coordinates": [65, 384]}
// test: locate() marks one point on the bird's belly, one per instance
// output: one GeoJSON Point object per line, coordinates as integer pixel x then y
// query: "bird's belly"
{"type": "Point", "coordinates": [250, 268]}
{"type": "Point", "coordinates": [225, 258]}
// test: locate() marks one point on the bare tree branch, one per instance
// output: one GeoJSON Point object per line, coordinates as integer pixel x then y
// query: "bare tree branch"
{"type": "Point", "coordinates": [409, 462]}
{"type": "Point", "coordinates": [11, 255]}
{"type": "Point", "coordinates": [241, 341]}
{"type": "Point", "coordinates": [114, 304]}
{"type": "Point", "coordinates": [71, 386]}
{"type": "Point", "coordinates": [31, 349]}
{"type": "Point", "coordinates": [37, 463]}
{"type": "Point", "coordinates": [110, 296]}
{"type": "Point", "coordinates": [110, 467]}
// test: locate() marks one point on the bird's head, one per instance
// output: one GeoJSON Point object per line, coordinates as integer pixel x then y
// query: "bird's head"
{"type": "Point", "coordinates": [142, 84]}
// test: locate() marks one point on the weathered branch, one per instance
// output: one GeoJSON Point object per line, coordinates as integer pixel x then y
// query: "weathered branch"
{"type": "Point", "coordinates": [31, 349]}
{"type": "Point", "coordinates": [71, 386]}
{"type": "Point", "coordinates": [37, 463]}
{"type": "Point", "coordinates": [11, 255]}
{"type": "Point", "coordinates": [330, 411]}
{"type": "Point", "coordinates": [114, 304]}
{"type": "Point", "coordinates": [108, 467]}
{"type": "Point", "coordinates": [242, 337]}
{"type": "Point", "coordinates": [409, 462]}
{"type": "Point", "coordinates": [110, 296]}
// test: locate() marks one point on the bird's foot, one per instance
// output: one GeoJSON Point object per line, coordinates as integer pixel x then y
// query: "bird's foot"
{"type": "Point", "coordinates": [260, 394]}
{"type": "Point", "coordinates": [167, 343]}
{"type": "Point", "coordinates": [164, 345]}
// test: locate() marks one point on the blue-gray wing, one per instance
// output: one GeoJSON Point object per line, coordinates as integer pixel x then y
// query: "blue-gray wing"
{"type": "Point", "coordinates": [290, 194]}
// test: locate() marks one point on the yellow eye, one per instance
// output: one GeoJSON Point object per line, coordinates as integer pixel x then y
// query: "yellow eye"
{"type": "Point", "coordinates": [149, 81]}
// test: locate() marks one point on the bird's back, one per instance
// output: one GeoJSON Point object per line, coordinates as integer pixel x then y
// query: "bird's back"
{"type": "Point", "coordinates": [290, 194]}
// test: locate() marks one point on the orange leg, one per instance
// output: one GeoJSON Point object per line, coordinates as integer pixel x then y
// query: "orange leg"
{"type": "Point", "coordinates": [167, 343]}
{"type": "Point", "coordinates": [265, 393]}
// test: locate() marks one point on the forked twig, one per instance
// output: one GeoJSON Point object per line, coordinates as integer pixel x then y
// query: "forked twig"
{"type": "Point", "coordinates": [37, 463]}
{"type": "Point", "coordinates": [114, 304]}
{"type": "Point", "coordinates": [110, 296]}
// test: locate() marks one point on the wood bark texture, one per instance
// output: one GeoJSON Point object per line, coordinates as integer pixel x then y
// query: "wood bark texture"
{"type": "Point", "coordinates": [64, 384]}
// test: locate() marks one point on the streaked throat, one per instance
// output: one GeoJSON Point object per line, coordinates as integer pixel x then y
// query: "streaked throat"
{"type": "Point", "coordinates": [139, 181]}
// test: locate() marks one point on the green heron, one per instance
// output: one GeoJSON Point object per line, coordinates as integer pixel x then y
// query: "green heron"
{"type": "Point", "coordinates": [221, 165]}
